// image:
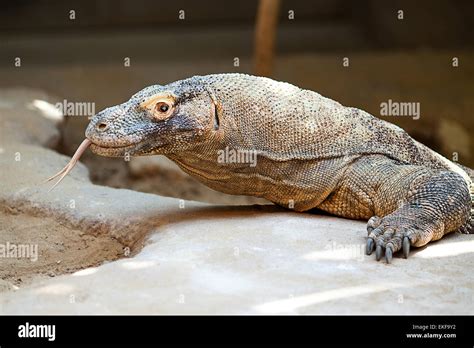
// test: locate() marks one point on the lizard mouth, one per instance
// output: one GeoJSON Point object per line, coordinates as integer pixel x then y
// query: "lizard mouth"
{"type": "Point", "coordinates": [109, 151]}
{"type": "Point", "coordinates": [139, 148]}
{"type": "Point", "coordinates": [114, 151]}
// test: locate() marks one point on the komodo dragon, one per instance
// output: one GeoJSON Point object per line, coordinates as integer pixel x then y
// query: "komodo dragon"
{"type": "Point", "coordinates": [310, 151]}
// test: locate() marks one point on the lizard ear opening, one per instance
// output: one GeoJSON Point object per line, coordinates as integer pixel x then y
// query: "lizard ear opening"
{"type": "Point", "coordinates": [215, 109]}
{"type": "Point", "coordinates": [216, 117]}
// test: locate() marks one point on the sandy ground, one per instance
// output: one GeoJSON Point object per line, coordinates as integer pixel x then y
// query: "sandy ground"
{"type": "Point", "coordinates": [60, 249]}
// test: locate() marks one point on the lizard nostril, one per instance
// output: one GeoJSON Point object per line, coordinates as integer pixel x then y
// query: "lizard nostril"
{"type": "Point", "coordinates": [102, 127]}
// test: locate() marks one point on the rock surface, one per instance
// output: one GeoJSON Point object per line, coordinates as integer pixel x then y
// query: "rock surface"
{"type": "Point", "coordinates": [28, 116]}
{"type": "Point", "coordinates": [200, 258]}
{"type": "Point", "coordinates": [221, 260]}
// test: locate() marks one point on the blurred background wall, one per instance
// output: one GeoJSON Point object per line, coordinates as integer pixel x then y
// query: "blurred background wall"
{"type": "Point", "coordinates": [408, 59]}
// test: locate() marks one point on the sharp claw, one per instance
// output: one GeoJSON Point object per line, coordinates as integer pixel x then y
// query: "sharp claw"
{"type": "Point", "coordinates": [370, 246]}
{"type": "Point", "coordinates": [378, 252]}
{"type": "Point", "coordinates": [406, 247]}
{"type": "Point", "coordinates": [388, 254]}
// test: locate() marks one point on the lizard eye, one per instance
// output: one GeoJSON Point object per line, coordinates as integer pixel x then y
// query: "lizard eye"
{"type": "Point", "coordinates": [162, 110]}
{"type": "Point", "coordinates": [162, 107]}
{"type": "Point", "coordinates": [159, 107]}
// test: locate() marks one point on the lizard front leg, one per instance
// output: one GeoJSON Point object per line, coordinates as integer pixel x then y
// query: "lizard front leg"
{"type": "Point", "coordinates": [410, 205]}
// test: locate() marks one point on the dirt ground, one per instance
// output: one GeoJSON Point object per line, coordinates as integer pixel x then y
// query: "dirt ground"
{"type": "Point", "coordinates": [60, 249]}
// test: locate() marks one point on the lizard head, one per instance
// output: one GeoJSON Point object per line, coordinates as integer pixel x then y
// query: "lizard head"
{"type": "Point", "coordinates": [157, 120]}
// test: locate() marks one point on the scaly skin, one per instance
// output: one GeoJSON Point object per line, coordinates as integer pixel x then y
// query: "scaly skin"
{"type": "Point", "coordinates": [312, 152]}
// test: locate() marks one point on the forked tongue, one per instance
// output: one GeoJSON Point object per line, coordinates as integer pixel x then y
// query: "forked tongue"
{"type": "Point", "coordinates": [80, 150]}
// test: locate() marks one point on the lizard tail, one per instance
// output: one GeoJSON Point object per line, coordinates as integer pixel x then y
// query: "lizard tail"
{"type": "Point", "coordinates": [468, 170]}
{"type": "Point", "coordinates": [468, 227]}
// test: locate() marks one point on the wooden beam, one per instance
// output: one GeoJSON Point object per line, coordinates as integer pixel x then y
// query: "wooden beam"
{"type": "Point", "coordinates": [265, 35]}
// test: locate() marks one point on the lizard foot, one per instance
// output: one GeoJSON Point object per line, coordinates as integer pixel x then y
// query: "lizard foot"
{"type": "Point", "coordinates": [398, 231]}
